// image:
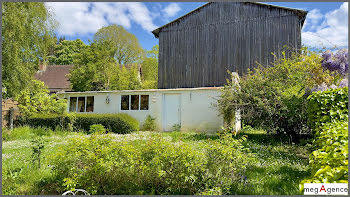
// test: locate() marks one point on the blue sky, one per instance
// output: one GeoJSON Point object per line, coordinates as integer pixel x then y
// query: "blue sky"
{"type": "Point", "coordinates": [326, 24]}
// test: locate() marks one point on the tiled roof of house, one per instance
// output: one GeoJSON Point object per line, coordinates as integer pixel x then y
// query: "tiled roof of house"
{"type": "Point", "coordinates": [55, 76]}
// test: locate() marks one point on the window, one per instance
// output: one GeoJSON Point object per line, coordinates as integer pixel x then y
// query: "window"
{"type": "Point", "coordinates": [72, 104]}
{"type": "Point", "coordinates": [125, 102]}
{"type": "Point", "coordinates": [134, 102]}
{"type": "Point", "coordinates": [89, 104]}
{"type": "Point", "coordinates": [81, 104]}
{"type": "Point", "coordinates": [144, 102]}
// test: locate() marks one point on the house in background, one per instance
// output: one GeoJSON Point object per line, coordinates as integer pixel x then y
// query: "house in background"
{"type": "Point", "coordinates": [55, 77]}
{"type": "Point", "coordinates": [195, 52]}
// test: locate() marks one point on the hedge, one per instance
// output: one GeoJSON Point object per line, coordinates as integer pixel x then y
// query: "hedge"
{"type": "Point", "coordinates": [116, 123]}
{"type": "Point", "coordinates": [327, 106]}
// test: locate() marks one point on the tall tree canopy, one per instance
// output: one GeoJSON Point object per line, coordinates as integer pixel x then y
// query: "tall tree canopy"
{"type": "Point", "coordinates": [65, 50]}
{"type": "Point", "coordinates": [96, 69]}
{"type": "Point", "coordinates": [27, 31]}
{"type": "Point", "coordinates": [150, 69]}
{"type": "Point", "coordinates": [124, 45]}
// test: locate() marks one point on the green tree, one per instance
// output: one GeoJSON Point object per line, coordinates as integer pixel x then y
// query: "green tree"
{"type": "Point", "coordinates": [35, 98]}
{"type": "Point", "coordinates": [65, 50]}
{"type": "Point", "coordinates": [150, 69]}
{"type": "Point", "coordinates": [96, 69]}
{"type": "Point", "coordinates": [27, 33]}
{"type": "Point", "coordinates": [125, 46]}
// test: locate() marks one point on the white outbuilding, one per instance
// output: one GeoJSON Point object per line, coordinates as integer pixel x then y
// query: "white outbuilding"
{"type": "Point", "coordinates": [191, 109]}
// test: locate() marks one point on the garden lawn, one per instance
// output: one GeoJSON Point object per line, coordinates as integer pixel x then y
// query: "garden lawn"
{"type": "Point", "coordinates": [277, 167]}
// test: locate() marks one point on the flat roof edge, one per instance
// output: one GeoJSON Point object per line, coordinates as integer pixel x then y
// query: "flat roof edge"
{"type": "Point", "coordinates": [146, 90]}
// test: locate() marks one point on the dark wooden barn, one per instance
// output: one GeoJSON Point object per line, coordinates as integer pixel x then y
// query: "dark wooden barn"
{"type": "Point", "coordinates": [197, 49]}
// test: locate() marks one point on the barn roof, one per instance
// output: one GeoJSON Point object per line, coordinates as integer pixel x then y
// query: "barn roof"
{"type": "Point", "coordinates": [300, 13]}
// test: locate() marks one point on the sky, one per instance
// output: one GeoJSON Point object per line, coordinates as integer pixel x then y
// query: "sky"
{"type": "Point", "coordinates": [326, 24]}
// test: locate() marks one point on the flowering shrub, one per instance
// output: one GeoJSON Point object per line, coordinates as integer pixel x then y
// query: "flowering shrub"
{"type": "Point", "coordinates": [337, 62]}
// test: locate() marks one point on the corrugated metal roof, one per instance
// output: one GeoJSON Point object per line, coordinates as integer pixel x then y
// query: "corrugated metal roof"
{"type": "Point", "coordinates": [301, 14]}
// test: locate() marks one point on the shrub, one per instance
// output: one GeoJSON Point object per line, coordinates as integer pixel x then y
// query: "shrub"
{"type": "Point", "coordinates": [327, 106]}
{"type": "Point", "coordinates": [329, 163]}
{"type": "Point", "coordinates": [152, 166]}
{"type": "Point", "coordinates": [275, 97]}
{"type": "Point", "coordinates": [149, 124]}
{"type": "Point", "coordinates": [36, 99]}
{"type": "Point", "coordinates": [97, 129]}
{"type": "Point", "coordinates": [117, 123]}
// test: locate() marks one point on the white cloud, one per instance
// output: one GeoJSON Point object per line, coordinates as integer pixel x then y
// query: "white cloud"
{"type": "Point", "coordinates": [312, 20]}
{"type": "Point", "coordinates": [81, 18]}
{"type": "Point", "coordinates": [171, 10]}
{"type": "Point", "coordinates": [333, 31]}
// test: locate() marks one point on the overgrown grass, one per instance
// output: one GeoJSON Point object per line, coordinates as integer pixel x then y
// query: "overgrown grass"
{"type": "Point", "coordinates": [277, 166]}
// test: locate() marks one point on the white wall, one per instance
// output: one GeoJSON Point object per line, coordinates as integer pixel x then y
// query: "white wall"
{"type": "Point", "coordinates": [197, 112]}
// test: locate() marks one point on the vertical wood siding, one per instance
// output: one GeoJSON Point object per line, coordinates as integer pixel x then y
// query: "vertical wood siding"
{"type": "Point", "coordinates": [198, 50]}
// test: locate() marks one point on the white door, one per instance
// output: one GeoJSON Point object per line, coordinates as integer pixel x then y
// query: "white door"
{"type": "Point", "coordinates": [171, 111]}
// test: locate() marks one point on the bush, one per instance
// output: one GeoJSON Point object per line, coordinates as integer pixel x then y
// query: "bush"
{"type": "Point", "coordinates": [36, 99]}
{"type": "Point", "coordinates": [97, 129]}
{"type": "Point", "coordinates": [117, 123]}
{"type": "Point", "coordinates": [152, 166]}
{"type": "Point", "coordinates": [149, 124]}
{"type": "Point", "coordinates": [327, 106]}
{"type": "Point", "coordinates": [329, 163]}
{"type": "Point", "coordinates": [275, 97]}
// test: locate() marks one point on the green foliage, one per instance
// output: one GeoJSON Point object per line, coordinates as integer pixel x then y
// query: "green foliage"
{"type": "Point", "coordinates": [22, 133]}
{"type": "Point", "coordinates": [153, 166]}
{"type": "Point", "coordinates": [38, 145]}
{"type": "Point", "coordinates": [150, 69]}
{"type": "Point", "coordinates": [117, 123]}
{"type": "Point", "coordinates": [35, 98]}
{"type": "Point", "coordinates": [96, 69]}
{"type": "Point", "coordinates": [65, 50]}
{"type": "Point", "coordinates": [27, 31]}
{"type": "Point", "coordinates": [149, 124]}
{"type": "Point", "coordinates": [124, 47]}
{"type": "Point", "coordinates": [327, 106]}
{"type": "Point", "coordinates": [97, 129]}
{"type": "Point", "coordinates": [281, 165]}
{"type": "Point", "coordinates": [274, 97]}
{"type": "Point", "coordinates": [329, 162]}
{"type": "Point", "coordinates": [176, 127]}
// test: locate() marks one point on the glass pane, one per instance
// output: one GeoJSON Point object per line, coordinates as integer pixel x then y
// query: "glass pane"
{"type": "Point", "coordinates": [125, 102]}
{"type": "Point", "coordinates": [134, 102]}
{"type": "Point", "coordinates": [81, 104]}
{"type": "Point", "coordinates": [72, 104]}
{"type": "Point", "coordinates": [89, 104]}
{"type": "Point", "coordinates": [144, 102]}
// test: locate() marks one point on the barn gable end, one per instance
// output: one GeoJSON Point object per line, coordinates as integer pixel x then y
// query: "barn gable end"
{"type": "Point", "coordinates": [196, 50]}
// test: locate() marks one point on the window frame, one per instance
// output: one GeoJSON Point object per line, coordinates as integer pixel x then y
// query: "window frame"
{"type": "Point", "coordinates": [139, 105]}
{"type": "Point", "coordinates": [85, 104]}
